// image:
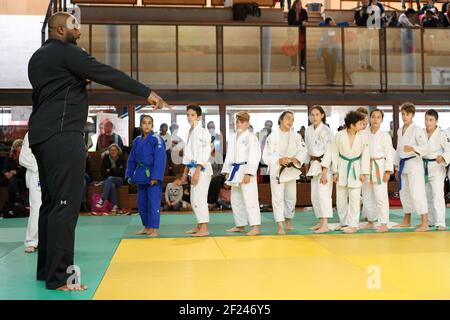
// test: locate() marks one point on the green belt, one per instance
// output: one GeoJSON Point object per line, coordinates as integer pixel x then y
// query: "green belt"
{"type": "Point", "coordinates": [350, 164]}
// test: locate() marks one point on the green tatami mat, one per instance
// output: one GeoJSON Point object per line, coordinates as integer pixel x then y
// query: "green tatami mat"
{"type": "Point", "coordinates": [96, 241]}
{"type": "Point", "coordinates": [175, 225]}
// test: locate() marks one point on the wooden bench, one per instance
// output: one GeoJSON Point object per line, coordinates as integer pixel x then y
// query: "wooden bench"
{"type": "Point", "coordinates": [261, 3]}
{"type": "Point", "coordinates": [175, 2]}
{"type": "Point", "coordinates": [104, 1]}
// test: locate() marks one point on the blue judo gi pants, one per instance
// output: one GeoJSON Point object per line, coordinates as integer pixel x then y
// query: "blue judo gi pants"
{"type": "Point", "coordinates": [149, 204]}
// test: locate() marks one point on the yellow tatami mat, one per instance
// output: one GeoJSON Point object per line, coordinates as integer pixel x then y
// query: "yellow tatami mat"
{"type": "Point", "coordinates": [360, 266]}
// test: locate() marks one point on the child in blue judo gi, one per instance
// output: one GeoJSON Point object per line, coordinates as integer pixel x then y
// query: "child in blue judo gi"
{"type": "Point", "coordinates": [146, 166]}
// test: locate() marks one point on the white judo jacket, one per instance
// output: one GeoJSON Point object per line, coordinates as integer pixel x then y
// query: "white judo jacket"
{"type": "Point", "coordinates": [243, 157]}
{"type": "Point", "coordinates": [438, 145]}
{"type": "Point", "coordinates": [319, 142]}
{"type": "Point", "coordinates": [272, 153]}
{"type": "Point", "coordinates": [28, 161]}
{"type": "Point", "coordinates": [349, 171]}
{"type": "Point", "coordinates": [198, 150]}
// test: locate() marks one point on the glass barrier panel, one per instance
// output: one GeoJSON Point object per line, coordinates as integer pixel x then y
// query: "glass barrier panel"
{"type": "Point", "coordinates": [436, 43]}
{"type": "Point", "coordinates": [197, 57]}
{"type": "Point", "coordinates": [403, 58]}
{"type": "Point", "coordinates": [242, 65]}
{"type": "Point", "coordinates": [111, 45]}
{"type": "Point", "coordinates": [362, 58]}
{"type": "Point", "coordinates": [281, 57]}
{"type": "Point", "coordinates": [323, 57]}
{"type": "Point", "coordinates": [157, 56]}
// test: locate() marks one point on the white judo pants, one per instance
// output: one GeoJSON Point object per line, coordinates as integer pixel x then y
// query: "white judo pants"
{"type": "Point", "coordinates": [436, 201]}
{"type": "Point", "coordinates": [245, 204]}
{"type": "Point", "coordinates": [321, 197]}
{"type": "Point", "coordinates": [376, 201]}
{"type": "Point", "coordinates": [199, 198]}
{"type": "Point", "coordinates": [348, 203]}
{"type": "Point", "coordinates": [284, 198]}
{"type": "Point", "coordinates": [31, 237]}
{"type": "Point", "coordinates": [413, 195]}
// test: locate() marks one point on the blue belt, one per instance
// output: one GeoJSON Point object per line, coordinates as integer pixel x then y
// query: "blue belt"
{"type": "Point", "coordinates": [236, 167]}
{"type": "Point", "coordinates": [193, 164]}
{"type": "Point", "coordinates": [400, 171]}
{"type": "Point", "coordinates": [425, 166]}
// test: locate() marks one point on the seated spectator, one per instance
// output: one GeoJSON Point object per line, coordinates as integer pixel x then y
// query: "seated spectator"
{"type": "Point", "coordinates": [14, 174]}
{"type": "Point", "coordinates": [86, 182]}
{"type": "Point", "coordinates": [165, 135]}
{"type": "Point", "coordinates": [430, 20]}
{"type": "Point", "coordinates": [174, 195]}
{"type": "Point", "coordinates": [429, 6]}
{"type": "Point", "coordinates": [302, 132]}
{"type": "Point", "coordinates": [224, 201]}
{"type": "Point", "coordinates": [108, 137]}
{"type": "Point", "coordinates": [446, 18]}
{"type": "Point", "coordinates": [445, 7]}
{"type": "Point", "coordinates": [113, 171]}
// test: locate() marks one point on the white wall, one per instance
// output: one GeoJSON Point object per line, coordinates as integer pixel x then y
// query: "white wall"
{"type": "Point", "coordinates": [20, 36]}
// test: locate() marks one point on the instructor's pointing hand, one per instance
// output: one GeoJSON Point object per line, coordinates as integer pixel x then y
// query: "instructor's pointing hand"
{"type": "Point", "coordinates": [157, 102]}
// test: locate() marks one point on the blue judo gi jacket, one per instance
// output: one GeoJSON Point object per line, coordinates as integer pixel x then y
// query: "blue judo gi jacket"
{"type": "Point", "coordinates": [147, 160]}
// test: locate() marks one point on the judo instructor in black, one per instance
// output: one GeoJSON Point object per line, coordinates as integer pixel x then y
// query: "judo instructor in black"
{"type": "Point", "coordinates": [58, 72]}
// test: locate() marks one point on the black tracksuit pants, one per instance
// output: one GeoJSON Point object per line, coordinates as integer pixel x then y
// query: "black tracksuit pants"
{"type": "Point", "coordinates": [61, 161]}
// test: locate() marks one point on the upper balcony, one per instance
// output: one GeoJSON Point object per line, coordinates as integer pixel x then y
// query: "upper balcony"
{"type": "Point", "coordinates": [203, 54]}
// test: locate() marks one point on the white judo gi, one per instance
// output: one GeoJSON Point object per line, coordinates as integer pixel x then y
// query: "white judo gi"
{"type": "Point", "coordinates": [243, 156]}
{"type": "Point", "coordinates": [283, 186]}
{"type": "Point", "coordinates": [28, 161]}
{"type": "Point", "coordinates": [349, 162]}
{"type": "Point", "coordinates": [198, 152]}
{"type": "Point", "coordinates": [319, 143]}
{"type": "Point", "coordinates": [375, 190]}
{"type": "Point", "coordinates": [438, 145]}
{"type": "Point", "coordinates": [411, 170]}
{"type": "Point", "coordinates": [448, 169]}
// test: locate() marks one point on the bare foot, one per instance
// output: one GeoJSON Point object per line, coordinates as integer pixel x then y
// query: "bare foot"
{"type": "Point", "coordinates": [382, 228]}
{"type": "Point", "coordinates": [192, 231]}
{"type": "Point", "coordinates": [317, 226]}
{"type": "Point", "coordinates": [441, 228]}
{"type": "Point", "coordinates": [340, 227]}
{"type": "Point", "coordinates": [422, 228]}
{"type": "Point", "coordinates": [289, 225]}
{"type": "Point", "coordinates": [403, 225]}
{"type": "Point", "coordinates": [154, 233]}
{"type": "Point", "coordinates": [281, 230]}
{"type": "Point", "coordinates": [322, 229]}
{"type": "Point", "coordinates": [253, 232]}
{"type": "Point", "coordinates": [201, 234]}
{"type": "Point", "coordinates": [144, 231]}
{"type": "Point", "coordinates": [32, 249]}
{"type": "Point", "coordinates": [71, 288]}
{"type": "Point", "coordinates": [236, 229]}
{"type": "Point", "coordinates": [350, 230]}
{"type": "Point", "coordinates": [369, 225]}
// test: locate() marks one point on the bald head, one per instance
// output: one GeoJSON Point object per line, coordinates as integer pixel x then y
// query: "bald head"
{"type": "Point", "coordinates": [64, 26]}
